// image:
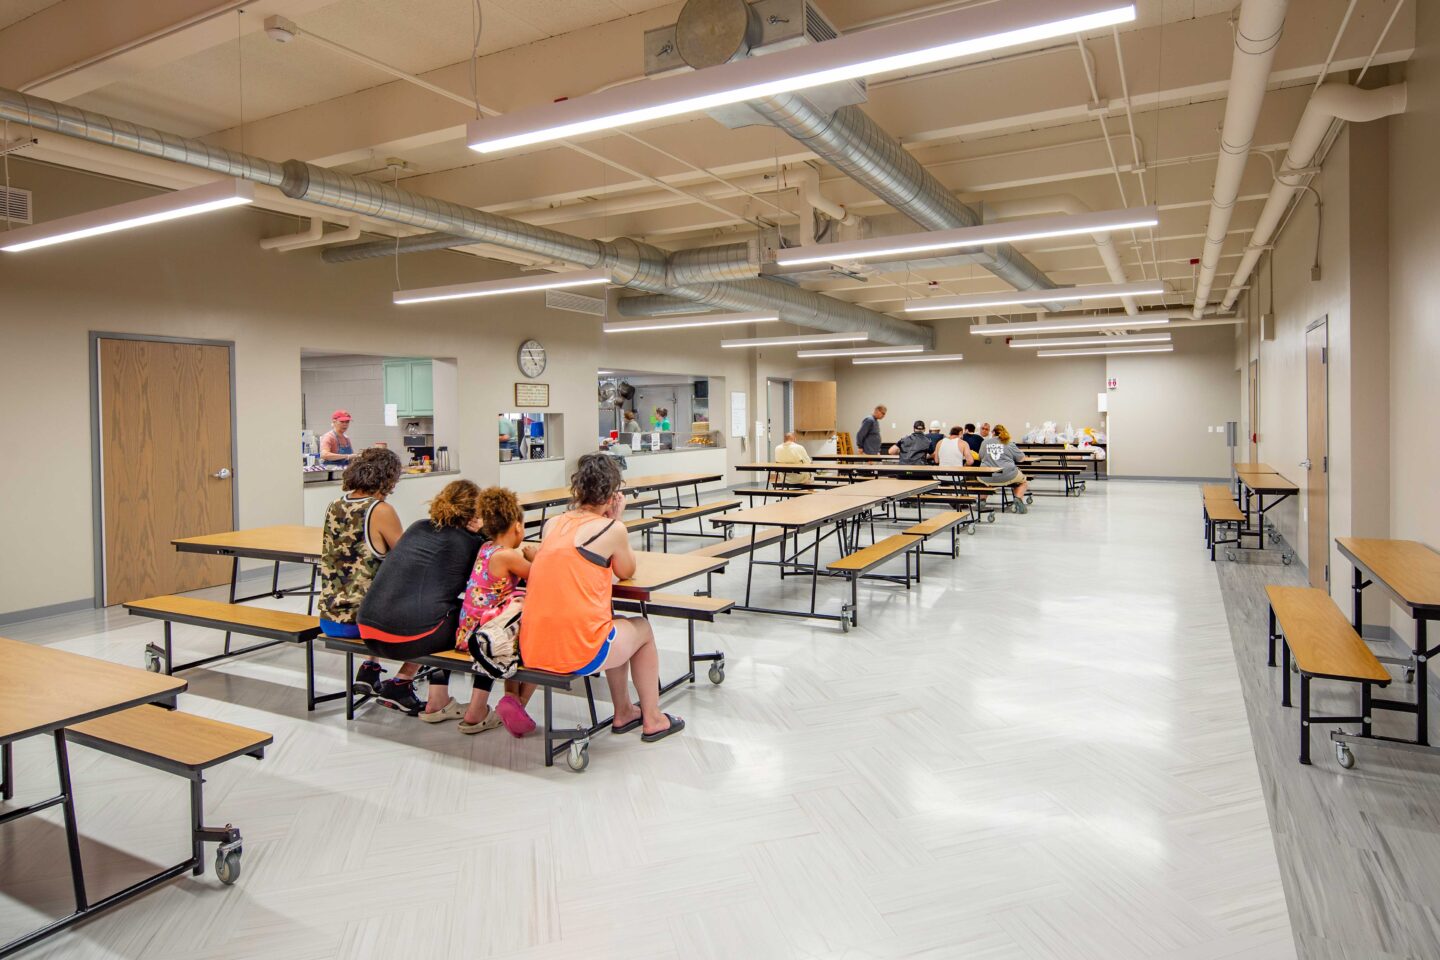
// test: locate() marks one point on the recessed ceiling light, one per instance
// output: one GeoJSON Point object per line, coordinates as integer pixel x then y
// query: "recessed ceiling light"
{"type": "Point", "coordinates": [945, 36]}
{"type": "Point", "coordinates": [496, 288]}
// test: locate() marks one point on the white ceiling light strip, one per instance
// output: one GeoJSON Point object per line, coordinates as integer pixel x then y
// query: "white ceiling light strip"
{"type": "Point", "coordinates": [929, 358]}
{"type": "Point", "coordinates": [792, 341]}
{"type": "Point", "coordinates": [1093, 291]}
{"type": "Point", "coordinates": [682, 322]}
{"type": "Point", "coordinates": [496, 288]}
{"type": "Point", "coordinates": [946, 36]}
{"type": "Point", "coordinates": [1091, 341]}
{"type": "Point", "coordinates": [931, 242]}
{"type": "Point", "coordinates": [860, 351]}
{"type": "Point", "coordinates": [127, 216]}
{"type": "Point", "coordinates": [1117, 321]}
{"type": "Point", "coordinates": [1166, 348]}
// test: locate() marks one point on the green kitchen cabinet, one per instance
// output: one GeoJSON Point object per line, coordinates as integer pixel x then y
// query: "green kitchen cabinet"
{"type": "Point", "coordinates": [409, 384]}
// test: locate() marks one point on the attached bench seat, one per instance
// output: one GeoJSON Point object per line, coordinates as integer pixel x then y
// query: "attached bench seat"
{"type": "Point", "coordinates": [697, 513]}
{"type": "Point", "coordinates": [273, 626]}
{"type": "Point", "coordinates": [577, 744]}
{"type": "Point", "coordinates": [857, 566]}
{"type": "Point", "coordinates": [779, 493]}
{"type": "Point", "coordinates": [950, 520]}
{"type": "Point", "coordinates": [739, 546]}
{"type": "Point", "coordinates": [1220, 510]}
{"type": "Point", "coordinates": [1070, 475]}
{"type": "Point", "coordinates": [1326, 647]}
{"type": "Point", "coordinates": [185, 745]}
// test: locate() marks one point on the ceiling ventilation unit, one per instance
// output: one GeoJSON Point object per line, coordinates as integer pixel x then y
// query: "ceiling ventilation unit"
{"type": "Point", "coordinates": [575, 302]}
{"type": "Point", "coordinates": [712, 32]}
{"type": "Point", "coordinates": [15, 205]}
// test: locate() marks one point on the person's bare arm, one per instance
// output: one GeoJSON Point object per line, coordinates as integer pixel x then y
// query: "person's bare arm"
{"type": "Point", "coordinates": [385, 528]}
{"type": "Point", "coordinates": [509, 562]}
{"type": "Point", "coordinates": [622, 555]}
{"type": "Point", "coordinates": [328, 451]}
{"type": "Point", "coordinates": [894, 449]}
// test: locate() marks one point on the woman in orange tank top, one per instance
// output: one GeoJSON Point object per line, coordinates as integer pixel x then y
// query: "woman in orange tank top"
{"type": "Point", "coordinates": [568, 625]}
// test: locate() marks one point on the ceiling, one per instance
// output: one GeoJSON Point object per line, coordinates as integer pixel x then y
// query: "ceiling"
{"type": "Point", "coordinates": [999, 130]}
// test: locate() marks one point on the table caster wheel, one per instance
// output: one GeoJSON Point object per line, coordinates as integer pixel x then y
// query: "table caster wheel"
{"type": "Point", "coordinates": [579, 757]}
{"type": "Point", "coordinates": [971, 529]}
{"type": "Point", "coordinates": [1230, 555]}
{"type": "Point", "coordinates": [152, 661]}
{"type": "Point", "coordinates": [1029, 498]}
{"type": "Point", "coordinates": [990, 517]}
{"type": "Point", "coordinates": [1344, 757]}
{"type": "Point", "coordinates": [717, 672]}
{"type": "Point", "coordinates": [1409, 674]}
{"type": "Point", "coordinates": [227, 866]}
{"type": "Point", "coordinates": [1285, 558]}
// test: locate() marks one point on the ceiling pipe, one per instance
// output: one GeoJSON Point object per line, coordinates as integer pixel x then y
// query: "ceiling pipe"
{"type": "Point", "coordinates": [630, 262]}
{"type": "Point", "coordinates": [1332, 101]}
{"type": "Point", "coordinates": [1257, 34]}
{"type": "Point", "coordinates": [1070, 204]}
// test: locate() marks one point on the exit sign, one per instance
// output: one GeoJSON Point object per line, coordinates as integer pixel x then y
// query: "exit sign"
{"type": "Point", "coordinates": [1112, 383]}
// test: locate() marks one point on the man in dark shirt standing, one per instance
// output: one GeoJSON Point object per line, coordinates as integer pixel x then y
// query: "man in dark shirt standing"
{"type": "Point", "coordinates": [867, 438]}
{"type": "Point", "coordinates": [972, 438]}
{"type": "Point", "coordinates": [914, 449]}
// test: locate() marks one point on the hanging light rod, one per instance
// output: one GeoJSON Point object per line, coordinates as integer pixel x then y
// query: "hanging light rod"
{"type": "Point", "coordinates": [791, 341]}
{"type": "Point", "coordinates": [916, 43]}
{"type": "Point", "coordinates": [1093, 291]}
{"type": "Point", "coordinates": [1032, 228]}
{"type": "Point", "coordinates": [861, 351]}
{"type": "Point", "coordinates": [678, 323]}
{"type": "Point", "coordinates": [928, 358]}
{"type": "Point", "coordinates": [1165, 348]}
{"type": "Point", "coordinates": [126, 216]}
{"type": "Point", "coordinates": [1117, 321]}
{"type": "Point", "coordinates": [1123, 338]}
{"type": "Point", "coordinates": [496, 288]}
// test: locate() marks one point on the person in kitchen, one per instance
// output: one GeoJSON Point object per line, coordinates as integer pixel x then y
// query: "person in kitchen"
{"type": "Point", "coordinates": [507, 431]}
{"type": "Point", "coordinates": [631, 424]}
{"type": "Point", "coordinates": [335, 446]}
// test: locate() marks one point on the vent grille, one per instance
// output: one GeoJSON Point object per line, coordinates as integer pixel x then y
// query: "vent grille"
{"type": "Point", "coordinates": [575, 302]}
{"type": "Point", "coordinates": [817, 28]}
{"type": "Point", "coordinates": [15, 205]}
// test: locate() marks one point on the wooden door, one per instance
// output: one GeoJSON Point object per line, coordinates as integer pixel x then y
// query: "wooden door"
{"type": "Point", "coordinates": [1317, 453]}
{"type": "Point", "coordinates": [1253, 434]}
{"type": "Point", "coordinates": [164, 435]}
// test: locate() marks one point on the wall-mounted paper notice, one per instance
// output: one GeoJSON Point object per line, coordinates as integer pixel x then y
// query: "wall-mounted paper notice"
{"type": "Point", "coordinates": [392, 414]}
{"type": "Point", "coordinates": [738, 413]}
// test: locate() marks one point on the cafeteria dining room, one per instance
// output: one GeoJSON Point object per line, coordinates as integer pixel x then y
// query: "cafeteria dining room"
{"type": "Point", "coordinates": [719, 478]}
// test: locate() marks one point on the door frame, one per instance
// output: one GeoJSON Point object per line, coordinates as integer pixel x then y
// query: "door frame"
{"type": "Point", "coordinates": [787, 388]}
{"type": "Point", "coordinates": [1323, 321]}
{"type": "Point", "coordinates": [97, 466]}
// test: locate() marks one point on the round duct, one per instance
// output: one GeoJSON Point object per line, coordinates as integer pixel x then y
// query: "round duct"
{"type": "Point", "coordinates": [711, 32]}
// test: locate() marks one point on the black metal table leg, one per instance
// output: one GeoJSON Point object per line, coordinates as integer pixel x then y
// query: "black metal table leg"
{"type": "Point", "coordinates": [1304, 719]}
{"type": "Point", "coordinates": [7, 772]}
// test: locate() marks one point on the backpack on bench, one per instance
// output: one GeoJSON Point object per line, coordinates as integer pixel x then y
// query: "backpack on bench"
{"type": "Point", "coordinates": [495, 647]}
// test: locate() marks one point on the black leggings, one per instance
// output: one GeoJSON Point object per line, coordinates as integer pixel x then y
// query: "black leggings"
{"type": "Point", "coordinates": [440, 639]}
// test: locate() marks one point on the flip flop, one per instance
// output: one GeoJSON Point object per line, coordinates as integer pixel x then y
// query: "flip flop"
{"type": "Point", "coordinates": [629, 726]}
{"type": "Point", "coordinates": [676, 725]}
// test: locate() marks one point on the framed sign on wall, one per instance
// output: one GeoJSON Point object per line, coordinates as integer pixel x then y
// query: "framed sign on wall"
{"type": "Point", "coordinates": [532, 394]}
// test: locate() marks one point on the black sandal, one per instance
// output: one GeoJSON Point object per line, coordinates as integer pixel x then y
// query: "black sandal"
{"type": "Point", "coordinates": [676, 725]}
{"type": "Point", "coordinates": [629, 726]}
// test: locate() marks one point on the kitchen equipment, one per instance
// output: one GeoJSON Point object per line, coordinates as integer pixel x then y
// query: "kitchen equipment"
{"type": "Point", "coordinates": [505, 454]}
{"type": "Point", "coordinates": [442, 458]}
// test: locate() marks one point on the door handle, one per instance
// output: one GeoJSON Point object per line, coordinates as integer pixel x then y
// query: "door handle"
{"type": "Point", "coordinates": [222, 474]}
{"type": "Point", "coordinates": [1305, 463]}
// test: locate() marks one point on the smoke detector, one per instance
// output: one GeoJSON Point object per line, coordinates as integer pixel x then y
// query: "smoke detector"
{"type": "Point", "coordinates": [280, 29]}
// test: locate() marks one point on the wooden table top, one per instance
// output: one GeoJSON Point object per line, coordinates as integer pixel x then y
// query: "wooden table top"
{"type": "Point", "coordinates": [1407, 568]}
{"type": "Point", "coordinates": [1268, 483]}
{"type": "Point", "coordinates": [659, 481]}
{"type": "Point", "coordinates": [1243, 468]}
{"type": "Point", "coordinates": [656, 571]}
{"type": "Point", "coordinates": [56, 689]}
{"type": "Point", "coordinates": [801, 512]}
{"type": "Point", "coordinates": [287, 539]}
{"type": "Point", "coordinates": [543, 498]}
{"type": "Point", "coordinates": [1031, 450]}
{"type": "Point", "coordinates": [929, 470]}
{"type": "Point", "coordinates": [888, 489]}
{"type": "Point", "coordinates": [856, 457]}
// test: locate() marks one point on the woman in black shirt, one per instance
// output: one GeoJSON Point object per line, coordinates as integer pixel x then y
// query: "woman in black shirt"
{"type": "Point", "coordinates": [413, 607]}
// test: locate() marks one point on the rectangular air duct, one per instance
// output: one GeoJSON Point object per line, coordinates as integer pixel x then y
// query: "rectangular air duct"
{"type": "Point", "coordinates": [15, 206]}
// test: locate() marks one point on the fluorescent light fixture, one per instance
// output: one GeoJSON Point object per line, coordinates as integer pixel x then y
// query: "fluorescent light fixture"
{"type": "Point", "coordinates": [1120, 340]}
{"type": "Point", "coordinates": [1118, 321]}
{"type": "Point", "coordinates": [136, 213]}
{"type": "Point", "coordinates": [678, 323]}
{"type": "Point", "coordinates": [915, 43]}
{"type": "Point", "coordinates": [496, 288]}
{"type": "Point", "coordinates": [1166, 348]}
{"type": "Point", "coordinates": [860, 351]}
{"type": "Point", "coordinates": [791, 341]}
{"type": "Point", "coordinates": [1093, 291]}
{"type": "Point", "coordinates": [928, 358]}
{"type": "Point", "coordinates": [911, 244]}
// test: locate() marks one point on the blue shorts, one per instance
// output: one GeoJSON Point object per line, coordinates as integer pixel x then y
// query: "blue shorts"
{"type": "Point", "coordinates": [348, 631]}
{"type": "Point", "coordinates": [593, 667]}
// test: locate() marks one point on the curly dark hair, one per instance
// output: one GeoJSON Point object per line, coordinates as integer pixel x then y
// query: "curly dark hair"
{"type": "Point", "coordinates": [499, 511]}
{"type": "Point", "coordinates": [456, 505]}
{"type": "Point", "coordinates": [375, 470]}
{"type": "Point", "coordinates": [595, 480]}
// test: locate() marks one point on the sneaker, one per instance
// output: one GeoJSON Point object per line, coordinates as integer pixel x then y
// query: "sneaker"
{"type": "Point", "coordinates": [513, 715]}
{"type": "Point", "coordinates": [1021, 506]}
{"type": "Point", "coordinates": [399, 695]}
{"type": "Point", "coordinates": [367, 678]}
{"type": "Point", "coordinates": [451, 711]}
{"type": "Point", "coordinates": [491, 721]}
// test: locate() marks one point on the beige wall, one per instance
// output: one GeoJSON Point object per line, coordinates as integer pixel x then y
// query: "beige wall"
{"type": "Point", "coordinates": [207, 278]}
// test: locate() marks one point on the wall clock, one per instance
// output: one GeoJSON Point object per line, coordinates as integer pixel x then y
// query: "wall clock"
{"type": "Point", "coordinates": [532, 358]}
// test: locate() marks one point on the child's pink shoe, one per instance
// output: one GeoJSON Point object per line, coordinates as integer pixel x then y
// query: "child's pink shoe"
{"type": "Point", "coordinates": [516, 720]}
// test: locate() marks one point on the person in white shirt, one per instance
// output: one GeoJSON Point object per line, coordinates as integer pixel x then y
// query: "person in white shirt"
{"type": "Point", "coordinates": [953, 451]}
{"type": "Point", "coordinates": [791, 452]}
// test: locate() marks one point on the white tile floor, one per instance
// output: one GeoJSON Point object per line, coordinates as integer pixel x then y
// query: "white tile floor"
{"type": "Point", "coordinates": [1041, 752]}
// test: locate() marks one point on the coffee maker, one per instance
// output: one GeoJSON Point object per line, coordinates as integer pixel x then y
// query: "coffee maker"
{"type": "Point", "coordinates": [418, 444]}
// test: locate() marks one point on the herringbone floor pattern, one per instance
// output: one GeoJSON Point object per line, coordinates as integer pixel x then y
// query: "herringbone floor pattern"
{"type": "Point", "coordinates": [1040, 752]}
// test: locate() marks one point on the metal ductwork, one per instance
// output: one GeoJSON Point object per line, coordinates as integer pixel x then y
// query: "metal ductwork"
{"type": "Point", "coordinates": [387, 248]}
{"type": "Point", "coordinates": [632, 263]}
